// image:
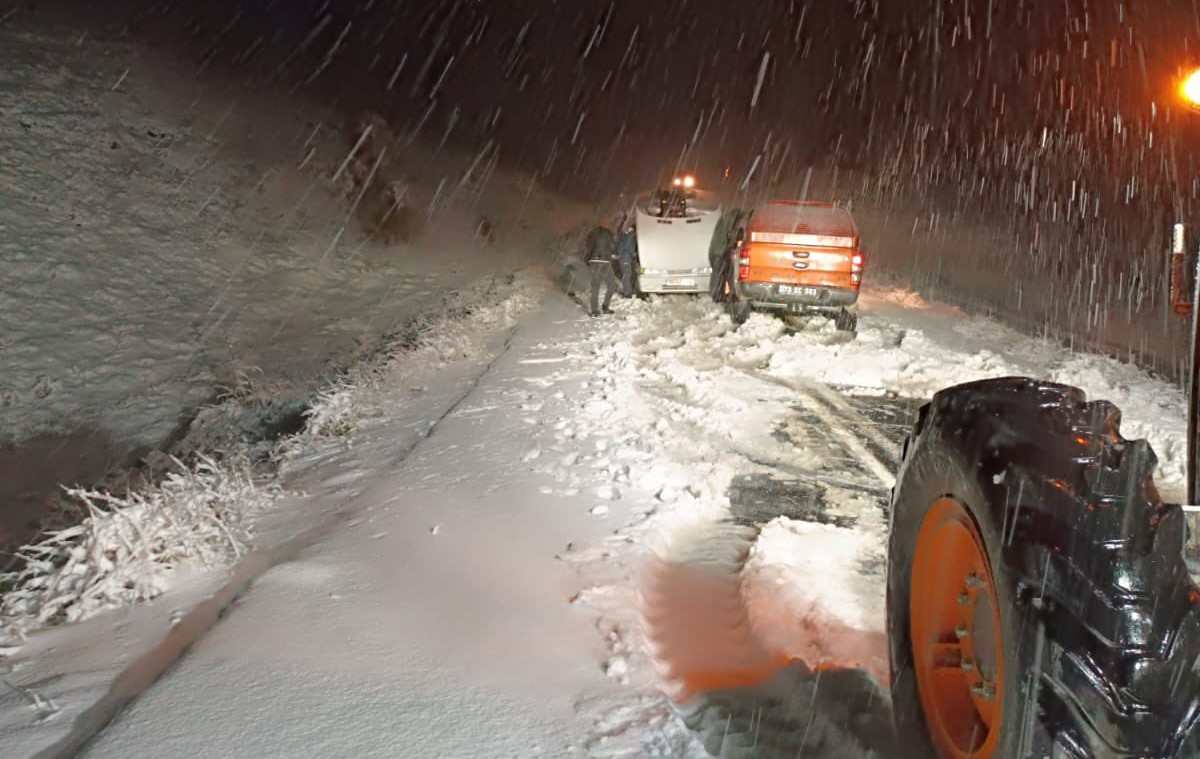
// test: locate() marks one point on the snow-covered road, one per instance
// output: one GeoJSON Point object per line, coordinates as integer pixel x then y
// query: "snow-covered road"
{"type": "Point", "coordinates": [440, 621]}
{"type": "Point", "coordinates": [436, 624]}
{"type": "Point", "coordinates": [560, 521]}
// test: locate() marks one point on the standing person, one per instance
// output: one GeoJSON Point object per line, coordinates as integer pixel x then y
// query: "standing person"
{"type": "Point", "coordinates": [627, 252]}
{"type": "Point", "coordinates": [722, 255]}
{"type": "Point", "coordinates": [600, 251]}
{"type": "Point", "coordinates": [729, 267]}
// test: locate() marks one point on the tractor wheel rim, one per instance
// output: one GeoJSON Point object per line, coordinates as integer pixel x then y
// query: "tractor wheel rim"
{"type": "Point", "coordinates": [955, 628]}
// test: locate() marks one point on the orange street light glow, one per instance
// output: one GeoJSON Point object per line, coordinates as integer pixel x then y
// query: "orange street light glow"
{"type": "Point", "coordinates": [1190, 89]}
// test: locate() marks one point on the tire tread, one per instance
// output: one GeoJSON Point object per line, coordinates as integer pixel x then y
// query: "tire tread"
{"type": "Point", "coordinates": [1097, 549]}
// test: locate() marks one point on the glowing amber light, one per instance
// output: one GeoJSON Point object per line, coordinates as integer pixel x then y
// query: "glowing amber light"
{"type": "Point", "coordinates": [1190, 89]}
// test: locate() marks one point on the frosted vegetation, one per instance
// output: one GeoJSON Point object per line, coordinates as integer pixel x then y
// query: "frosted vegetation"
{"type": "Point", "coordinates": [131, 548]}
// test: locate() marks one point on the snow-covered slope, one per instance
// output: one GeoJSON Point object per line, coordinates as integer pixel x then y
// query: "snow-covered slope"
{"type": "Point", "coordinates": [169, 241]}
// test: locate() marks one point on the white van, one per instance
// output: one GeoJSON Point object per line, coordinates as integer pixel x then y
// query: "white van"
{"type": "Point", "coordinates": [675, 227]}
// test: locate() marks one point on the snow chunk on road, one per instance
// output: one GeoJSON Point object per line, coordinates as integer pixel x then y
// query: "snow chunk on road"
{"type": "Point", "coordinates": [815, 592]}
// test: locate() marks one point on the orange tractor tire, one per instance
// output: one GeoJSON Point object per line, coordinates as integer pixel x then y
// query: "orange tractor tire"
{"type": "Point", "coordinates": [1038, 599]}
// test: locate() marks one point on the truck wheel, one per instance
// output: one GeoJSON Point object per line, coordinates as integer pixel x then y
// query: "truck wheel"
{"type": "Point", "coordinates": [846, 321]}
{"type": "Point", "coordinates": [955, 685]}
{"type": "Point", "coordinates": [739, 311]}
{"type": "Point", "coordinates": [1038, 601]}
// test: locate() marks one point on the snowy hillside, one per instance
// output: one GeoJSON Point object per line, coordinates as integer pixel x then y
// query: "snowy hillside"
{"type": "Point", "coordinates": [168, 243]}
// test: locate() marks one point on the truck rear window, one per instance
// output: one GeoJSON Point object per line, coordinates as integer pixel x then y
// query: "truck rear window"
{"type": "Point", "coordinates": [797, 224]}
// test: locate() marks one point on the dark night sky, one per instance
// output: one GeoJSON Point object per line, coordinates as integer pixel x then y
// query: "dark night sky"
{"type": "Point", "coordinates": [1053, 123]}
{"type": "Point", "coordinates": [639, 73]}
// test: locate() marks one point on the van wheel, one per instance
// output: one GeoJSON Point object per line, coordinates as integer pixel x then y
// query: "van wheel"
{"type": "Point", "coordinates": [739, 311]}
{"type": "Point", "coordinates": [846, 321]}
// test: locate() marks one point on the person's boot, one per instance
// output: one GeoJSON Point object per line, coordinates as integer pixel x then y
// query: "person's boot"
{"type": "Point", "coordinates": [607, 310]}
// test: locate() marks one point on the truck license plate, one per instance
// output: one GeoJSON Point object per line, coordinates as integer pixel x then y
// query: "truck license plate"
{"type": "Point", "coordinates": [796, 290]}
{"type": "Point", "coordinates": [686, 282]}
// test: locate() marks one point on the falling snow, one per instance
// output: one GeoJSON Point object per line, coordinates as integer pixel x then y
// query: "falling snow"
{"type": "Point", "coordinates": [221, 220]}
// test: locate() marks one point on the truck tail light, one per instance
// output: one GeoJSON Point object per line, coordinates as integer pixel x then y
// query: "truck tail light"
{"type": "Point", "coordinates": [744, 263]}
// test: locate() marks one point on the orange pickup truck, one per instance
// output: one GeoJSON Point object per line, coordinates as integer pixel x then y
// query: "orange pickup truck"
{"type": "Point", "coordinates": [799, 257]}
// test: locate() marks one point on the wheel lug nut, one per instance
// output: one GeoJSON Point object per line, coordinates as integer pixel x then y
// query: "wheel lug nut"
{"type": "Point", "coordinates": [961, 632]}
{"type": "Point", "coordinates": [984, 690]}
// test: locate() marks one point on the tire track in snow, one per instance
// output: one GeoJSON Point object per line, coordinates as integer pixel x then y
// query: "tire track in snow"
{"type": "Point", "coordinates": [735, 693]}
{"type": "Point", "coordinates": [839, 420]}
{"type": "Point", "coordinates": [838, 416]}
{"type": "Point", "coordinates": [812, 455]}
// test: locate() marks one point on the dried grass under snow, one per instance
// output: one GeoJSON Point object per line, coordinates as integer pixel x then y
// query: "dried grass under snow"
{"type": "Point", "coordinates": [129, 549]}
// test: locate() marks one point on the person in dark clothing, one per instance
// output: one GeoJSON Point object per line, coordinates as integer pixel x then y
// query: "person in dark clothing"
{"type": "Point", "coordinates": [627, 253]}
{"type": "Point", "coordinates": [718, 286]}
{"type": "Point", "coordinates": [600, 251]}
{"type": "Point", "coordinates": [720, 254]}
